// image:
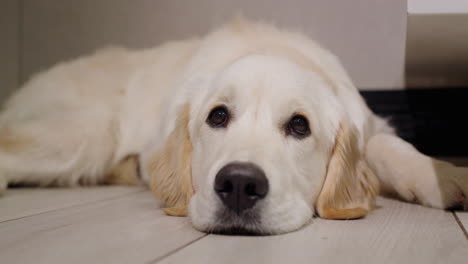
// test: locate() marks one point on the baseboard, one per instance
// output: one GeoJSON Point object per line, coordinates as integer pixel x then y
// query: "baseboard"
{"type": "Point", "coordinates": [434, 120]}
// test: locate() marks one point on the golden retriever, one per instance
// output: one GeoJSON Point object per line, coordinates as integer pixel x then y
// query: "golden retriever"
{"type": "Point", "coordinates": [249, 129]}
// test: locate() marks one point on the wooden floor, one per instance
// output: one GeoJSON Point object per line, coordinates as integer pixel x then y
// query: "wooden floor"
{"type": "Point", "coordinates": [124, 225]}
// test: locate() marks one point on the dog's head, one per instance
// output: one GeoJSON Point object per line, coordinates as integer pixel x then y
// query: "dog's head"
{"type": "Point", "coordinates": [261, 148]}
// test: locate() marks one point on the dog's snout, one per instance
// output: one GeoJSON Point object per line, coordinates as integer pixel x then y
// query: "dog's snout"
{"type": "Point", "coordinates": [240, 185]}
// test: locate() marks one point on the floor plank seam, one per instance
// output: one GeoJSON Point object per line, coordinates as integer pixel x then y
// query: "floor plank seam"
{"type": "Point", "coordinates": [460, 224]}
{"type": "Point", "coordinates": [172, 252]}
{"type": "Point", "coordinates": [71, 206]}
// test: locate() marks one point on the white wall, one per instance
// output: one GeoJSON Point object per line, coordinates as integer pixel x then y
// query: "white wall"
{"type": "Point", "coordinates": [368, 35]}
{"type": "Point", "coordinates": [9, 52]}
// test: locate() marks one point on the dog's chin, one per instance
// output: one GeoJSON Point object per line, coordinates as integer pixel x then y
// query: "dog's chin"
{"type": "Point", "coordinates": [257, 221]}
{"type": "Point", "coordinates": [230, 223]}
{"type": "Point", "coordinates": [248, 223]}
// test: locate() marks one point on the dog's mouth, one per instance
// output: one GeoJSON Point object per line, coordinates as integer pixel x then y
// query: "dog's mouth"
{"type": "Point", "coordinates": [235, 231]}
{"type": "Point", "coordinates": [247, 223]}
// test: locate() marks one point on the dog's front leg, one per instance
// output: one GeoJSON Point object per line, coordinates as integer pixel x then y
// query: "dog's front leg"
{"type": "Point", "coordinates": [415, 177]}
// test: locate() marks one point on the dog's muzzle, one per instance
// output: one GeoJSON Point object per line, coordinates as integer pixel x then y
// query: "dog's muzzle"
{"type": "Point", "coordinates": [240, 186]}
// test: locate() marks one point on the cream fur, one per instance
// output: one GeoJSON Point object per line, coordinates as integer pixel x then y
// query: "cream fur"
{"type": "Point", "coordinates": [80, 121]}
{"type": "Point", "coordinates": [171, 179]}
{"type": "Point", "coordinates": [350, 186]}
{"type": "Point", "coordinates": [126, 172]}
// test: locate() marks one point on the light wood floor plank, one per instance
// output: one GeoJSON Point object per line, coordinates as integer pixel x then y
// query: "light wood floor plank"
{"type": "Point", "coordinates": [130, 229]}
{"type": "Point", "coordinates": [463, 217]}
{"type": "Point", "coordinates": [395, 233]}
{"type": "Point", "coordinates": [21, 202]}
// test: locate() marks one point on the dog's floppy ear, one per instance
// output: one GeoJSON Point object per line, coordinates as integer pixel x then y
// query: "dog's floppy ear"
{"type": "Point", "coordinates": [170, 168]}
{"type": "Point", "coordinates": [350, 187]}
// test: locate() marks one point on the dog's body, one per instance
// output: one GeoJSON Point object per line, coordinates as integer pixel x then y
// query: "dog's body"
{"type": "Point", "coordinates": [116, 114]}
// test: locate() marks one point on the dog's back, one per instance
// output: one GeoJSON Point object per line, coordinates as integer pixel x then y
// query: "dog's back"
{"type": "Point", "coordinates": [73, 123]}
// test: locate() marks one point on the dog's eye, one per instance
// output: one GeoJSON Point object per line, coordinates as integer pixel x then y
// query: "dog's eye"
{"type": "Point", "coordinates": [298, 127]}
{"type": "Point", "coordinates": [218, 117]}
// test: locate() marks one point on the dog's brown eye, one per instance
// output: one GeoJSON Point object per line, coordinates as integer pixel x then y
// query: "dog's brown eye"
{"type": "Point", "coordinates": [218, 117]}
{"type": "Point", "coordinates": [298, 127]}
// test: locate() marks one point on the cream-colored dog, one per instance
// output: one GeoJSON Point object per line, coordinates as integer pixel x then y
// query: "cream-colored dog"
{"type": "Point", "coordinates": [247, 130]}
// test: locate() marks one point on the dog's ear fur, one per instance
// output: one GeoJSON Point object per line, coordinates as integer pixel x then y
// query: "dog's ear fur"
{"type": "Point", "coordinates": [350, 187]}
{"type": "Point", "coordinates": [170, 169]}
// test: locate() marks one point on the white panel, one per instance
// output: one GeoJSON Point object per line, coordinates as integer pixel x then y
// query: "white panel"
{"type": "Point", "coordinates": [437, 6]}
{"type": "Point", "coordinates": [367, 35]}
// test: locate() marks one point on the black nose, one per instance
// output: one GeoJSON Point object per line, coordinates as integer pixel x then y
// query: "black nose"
{"type": "Point", "coordinates": [240, 185]}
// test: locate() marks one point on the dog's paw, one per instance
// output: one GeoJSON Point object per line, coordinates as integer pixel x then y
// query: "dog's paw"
{"type": "Point", "coordinates": [414, 177]}
{"type": "Point", "coordinates": [454, 187]}
{"type": "Point", "coordinates": [449, 190]}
